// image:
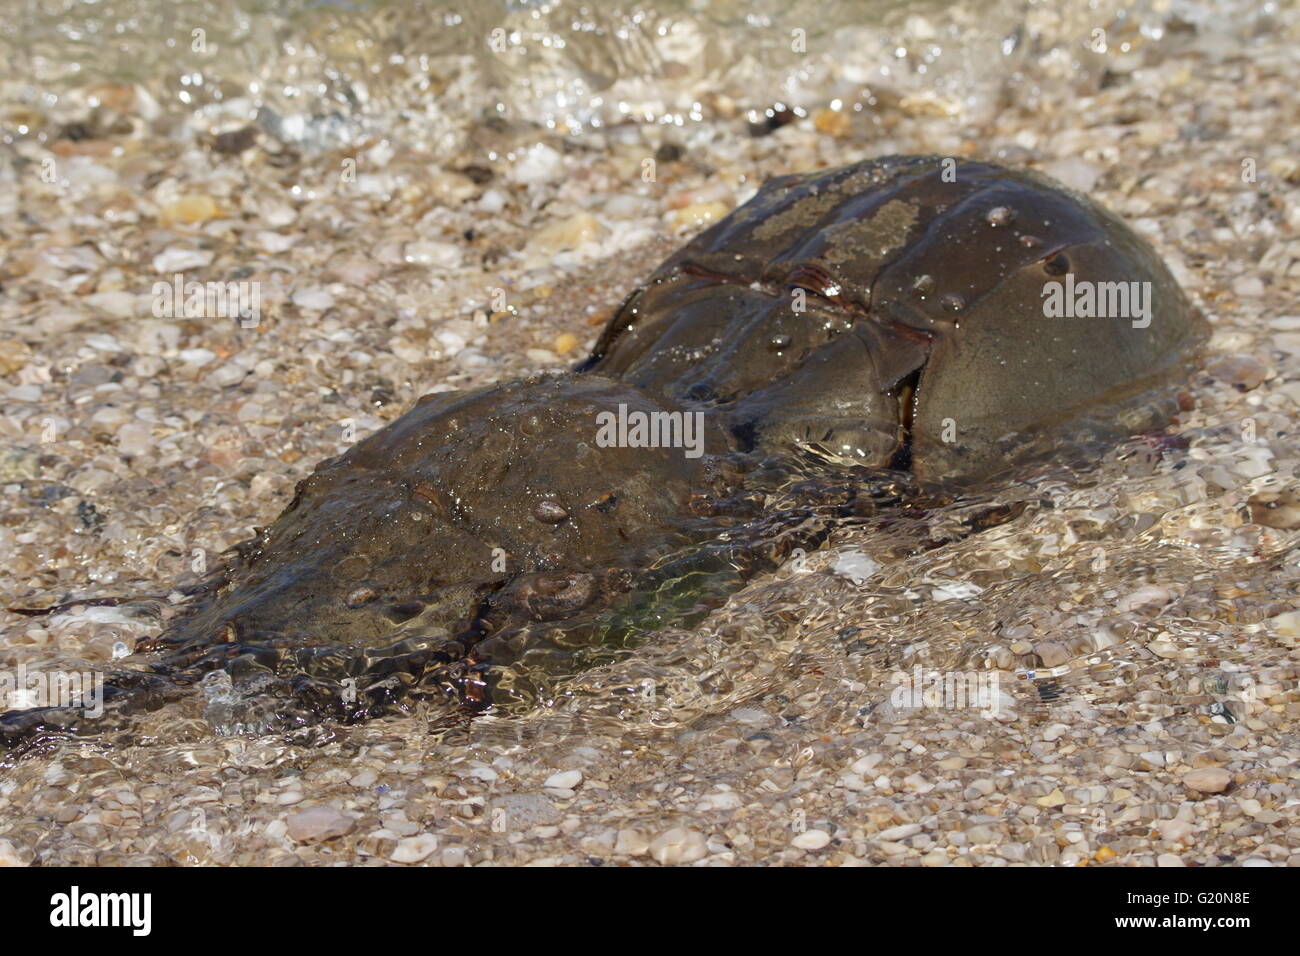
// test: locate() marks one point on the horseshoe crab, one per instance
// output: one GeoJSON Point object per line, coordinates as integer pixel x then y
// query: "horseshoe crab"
{"type": "Point", "coordinates": [840, 342]}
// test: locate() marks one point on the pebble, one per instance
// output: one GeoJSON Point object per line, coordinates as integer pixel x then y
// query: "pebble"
{"type": "Point", "coordinates": [549, 512]}
{"type": "Point", "coordinates": [678, 845]}
{"type": "Point", "coordinates": [177, 259]}
{"type": "Point", "coordinates": [316, 824]}
{"type": "Point", "coordinates": [275, 242]}
{"type": "Point", "coordinates": [1244, 372]}
{"type": "Point", "coordinates": [900, 832]}
{"type": "Point", "coordinates": [1052, 653]}
{"type": "Point", "coordinates": [1144, 597]}
{"type": "Point", "coordinates": [564, 780]}
{"type": "Point", "coordinates": [539, 164]}
{"type": "Point", "coordinates": [811, 839]}
{"type": "Point", "coordinates": [567, 233]}
{"type": "Point", "coordinates": [436, 255]}
{"type": "Point", "coordinates": [1287, 624]}
{"type": "Point", "coordinates": [315, 298]}
{"type": "Point", "coordinates": [521, 811]}
{"type": "Point", "coordinates": [832, 122]}
{"type": "Point", "coordinates": [698, 214]}
{"type": "Point", "coordinates": [1078, 174]}
{"type": "Point", "coordinates": [9, 855]}
{"type": "Point", "coordinates": [414, 849]}
{"type": "Point", "coordinates": [118, 303]}
{"type": "Point", "coordinates": [14, 354]}
{"type": "Point", "coordinates": [198, 357]}
{"type": "Point", "coordinates": [855, 566]}
{"type": "Point", "coordinates": [189, 210]}
{"type": "Point", "coordinates": [631, 842]}
{"type": "Point", "coordinates": [1276, 509]}
{"type": "Point", "coordinates": [1055, 731]}
{"type": "Point", "coordinates": [1207, 780]}
{"type": "Point", "coordinates": [134, 439]}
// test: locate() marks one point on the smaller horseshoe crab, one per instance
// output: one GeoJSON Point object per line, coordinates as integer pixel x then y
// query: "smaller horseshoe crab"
{"type": "Point", "coordinates": [843, 339]}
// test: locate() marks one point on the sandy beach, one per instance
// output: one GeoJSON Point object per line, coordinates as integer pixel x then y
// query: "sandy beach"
{"type": "Point", "coordinates": [451, 226]}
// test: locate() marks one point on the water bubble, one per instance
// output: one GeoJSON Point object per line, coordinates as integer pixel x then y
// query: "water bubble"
{"type": "Point", "coordinates": [1000, 215]}
{"type": "Point", "coordinates": [217, 687]}
{"type": "Point", "coordinates": [923, 285]}
{"type": "Point", "coordinates": [778, 342]}
{"type": "Point", "coordinates": [953, 302]}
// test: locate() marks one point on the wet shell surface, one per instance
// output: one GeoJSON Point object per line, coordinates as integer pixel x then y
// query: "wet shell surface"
{"type": "Point", "coordinates": [841, 340]}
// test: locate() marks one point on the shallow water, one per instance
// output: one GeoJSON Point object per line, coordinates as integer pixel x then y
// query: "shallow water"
{"type": "Point", "coordinates": [138, 447]}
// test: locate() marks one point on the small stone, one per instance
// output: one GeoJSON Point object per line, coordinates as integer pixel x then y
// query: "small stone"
{"type": "Point", "coordinates": [722, 800]}
{"type": "Point", "coordinates": [1144, 597]}
{"type": "Point", "coordinates": [1288, 623]}
{"type": "Point", "coordinates": [9, 855]}
{"type": "Point", "coordinates": [117, 302]}
{"type": "Point", "coordinates": [1055, 731]}
{"type": "Point", "coordinates": [1243, 372]}
{"type": "Point", "coordinates": [1053, 799]}
{"type": "Point", "coordinates": [1175, 831]}
{"type": "Point", "coordinates": [1276, 509]}
{"type": "Point", "coordinates": [521, 811]}
{"type": "Point", "coordinates": [14, 355]}
{"type": "Point", "coordinates": [436, 255]}
{"type": "Point", "coordinates": [855, 566]}
{"type": "Point", "coordinates": [1052, 653]}
{"type": "Point", "coordinates": [319, 823]}
{"type": "Point", "coordinates": [360, 596]}
{"type": "Point", "coordinates": [134, 439]}
{"type": "Point", "coordinates": [414, 849]}
{"type": "Point", "coordinates": [1078, 174]}
{"type": "Point", "coordinates": [811, 840]}
{"type": "Point", "coordinates": [567, 233]}
{"type": "Point", "coordinates": [539, 164]}
{"type": "Point", "coordinates": [549, 512]}
{"type": "Point", "coordinates": [177, 259]}
{"type": "Point", "coordinates": [1169, 859]}
{"type": "Point", "coordinates": [901, 832]}
{"type": "Point", "coordinates": [189, 210]}
{"type": "Point", "coordinates": [832, 122]}
{"type": "Point", "coordinates": [698, 214]}
{"type": "Point", "coordinates": [1207, 780]}
{"type": "Point", "coordinates": [454, 856]}
{"type": "Point", "coordinates": [274, 242]}
{"type": "Point", "coordinates": [314, 298]}
{"type": "Point", "coordinates": [678, 845]}
{"type": "Point", "coordinates": [564, 780]}
{"type": "Point", "coordinates": [198, 357]}
{"type": "Point", "coordinates": [631, 843]}
{"type": "Point", "coordinates": [564, 343]}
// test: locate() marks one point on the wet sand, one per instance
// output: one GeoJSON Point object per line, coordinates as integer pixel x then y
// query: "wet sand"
{"type": "Point", "coordinates": [1158, 587]}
